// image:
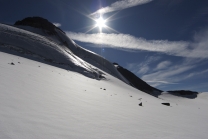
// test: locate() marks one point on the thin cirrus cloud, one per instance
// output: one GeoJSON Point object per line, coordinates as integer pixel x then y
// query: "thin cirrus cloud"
{"type": "Point", "coordinates": [120, 5]}
{"type": "Point", "coordinates": [167, 76]}
{"type": "Point", "coordinates": [163, 65]}
{"type": "Point", "coordinates": [169, 73]}
{"type": "Point", "coordinates": [195, 49]}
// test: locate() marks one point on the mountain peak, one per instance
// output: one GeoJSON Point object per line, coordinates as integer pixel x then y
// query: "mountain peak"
{"type": "Point", "coordinates": [38, 22]}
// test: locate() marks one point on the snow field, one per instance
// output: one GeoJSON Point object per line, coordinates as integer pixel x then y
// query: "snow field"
{"type": "Point", "coordinates": [49, 102]}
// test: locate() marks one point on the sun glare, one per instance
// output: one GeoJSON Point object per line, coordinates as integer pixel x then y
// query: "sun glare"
{"type": "Point", "coordinates": [100, 22]}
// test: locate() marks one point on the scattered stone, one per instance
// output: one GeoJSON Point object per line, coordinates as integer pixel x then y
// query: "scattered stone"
{"type": "Point", "coordinates": [167, 104]}
{"type": "Point", "coordinates": [140, 104]}
{"type": "Point", "coordinates": [100, 88]}
{"type": "Point", "coordinates": [12, 63]}
{"type": "Point", "coordinates": [140, 99]}
{"type": "Point", "coordinates": [104, 89]}
{"type": "Point", "coordinates": [38, 66]}
{"type": "Point", "coordinates": [19, 62]}
{"type": "Point", "coordinates": [131, 96]}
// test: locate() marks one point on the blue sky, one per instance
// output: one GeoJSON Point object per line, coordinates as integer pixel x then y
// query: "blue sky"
{"type": "Point", "coordinates": [164, 42]}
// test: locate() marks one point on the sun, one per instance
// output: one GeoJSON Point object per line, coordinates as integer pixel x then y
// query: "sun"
{"type": "Point", "coordinates": [100, 22]}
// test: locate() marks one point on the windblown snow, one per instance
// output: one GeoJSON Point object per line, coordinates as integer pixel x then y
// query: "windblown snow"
{"type": "Point", "coordinates": [45, 95]}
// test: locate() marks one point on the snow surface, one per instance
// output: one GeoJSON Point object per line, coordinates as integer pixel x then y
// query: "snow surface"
{"type": "Point", "coordinates": [50, 102]}
{"type": "Point", "coordinates": [38, 100]}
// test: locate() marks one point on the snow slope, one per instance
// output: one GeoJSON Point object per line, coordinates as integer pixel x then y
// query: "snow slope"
{"type": "Point", "coordinates": [41, 101]}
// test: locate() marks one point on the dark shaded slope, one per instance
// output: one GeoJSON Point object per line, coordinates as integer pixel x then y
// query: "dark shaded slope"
{"type": "Point", "coordinates": [137, 82]}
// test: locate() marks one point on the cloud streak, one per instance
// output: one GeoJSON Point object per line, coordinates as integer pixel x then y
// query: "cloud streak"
{"type": "Point", "coordinates": [168, 76]}
{"type": "Point", "coordinates": [163, 65]}
{"type": "Point", "coordinates": [120, 5]}
{"type": "Point", "coordinates": [125, 41]}
{"type": "Point", "coordinates": [196, 49]}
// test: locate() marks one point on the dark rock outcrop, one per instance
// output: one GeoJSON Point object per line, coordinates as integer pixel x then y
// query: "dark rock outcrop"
{"type": "Point", "coordinates": [167, 104]}
{"type": "Point", "coordinates": [137, 82]}
{"type": "Point", "coordinates": [184, 93]}
{"type": "Point", "coordinates": [39, 22]}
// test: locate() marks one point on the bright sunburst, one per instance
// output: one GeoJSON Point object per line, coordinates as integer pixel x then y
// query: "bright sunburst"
{"type": "Point", "coordinates": [100, 22]}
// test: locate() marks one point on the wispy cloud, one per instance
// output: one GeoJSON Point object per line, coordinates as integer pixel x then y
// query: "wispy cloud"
{"type": "Point", "coordinates": [173, 74]}
{"type": "Point", "coordinates": [143, 67]}
{"type": "Point", "coordinates": [127, 41]}
{"type": "Point", "coordinates": [159, 82]}
{"type": "Point", "coordinates": [162, 73]}
{"type": "Point", "coordinates": [163, 65]}
{"type": "Point", "coordinates": [195, 49]}
{"type": "Point", "coordinates": [57, 24]}
{"type": "Point", "coordinates": [120, 5]}
{"type": "Point", "coordinates": [194, 74]}
{"type": "Point", "coordinates": [143, 70]}
{"type": "Point", "coordinates": [167, 76]}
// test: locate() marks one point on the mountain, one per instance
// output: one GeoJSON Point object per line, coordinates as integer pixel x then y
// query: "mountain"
{"type": "Point", "coordinates": [39, 22]}
{"type": "Point", "coordinates": [53, 88]}
{"type": "Point", "coordinates": [50, 34]}
{"type": "Point", "coordinates": [77, 56]}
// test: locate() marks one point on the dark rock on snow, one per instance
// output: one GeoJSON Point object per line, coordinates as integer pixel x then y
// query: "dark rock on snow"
{"type": "Point", "coordinates": [184, 93]}
{"type": "Point", "coordinates": [167, 104]}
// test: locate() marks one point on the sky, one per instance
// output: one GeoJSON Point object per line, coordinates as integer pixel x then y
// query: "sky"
{"type": "Point", "coordinates": [164, 42]}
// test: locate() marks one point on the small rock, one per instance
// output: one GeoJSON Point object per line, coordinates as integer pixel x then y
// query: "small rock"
{"type": "Point", "coordinates": [131, 96]}
{"type": "Point", "coordinates": [104, 89]}
{"type": "Point", "coordinates": [167, 104]}
{"type": "Point", "coordinates": [12, 63]}
{"type": "Point", "coordinates": [140, 104]}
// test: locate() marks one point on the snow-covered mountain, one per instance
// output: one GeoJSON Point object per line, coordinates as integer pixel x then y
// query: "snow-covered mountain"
{"type": "Point", "coordinates": [45, 95]}
{"type": "Point", "coordinates": [74, 54]}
